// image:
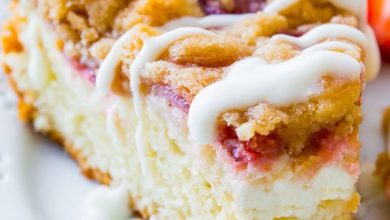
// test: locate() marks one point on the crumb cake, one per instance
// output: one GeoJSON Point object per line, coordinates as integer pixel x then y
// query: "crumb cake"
{"type": "Point", "coordinates": [205, 109]}
{"type": "Point", "coordinates": [383, 160]}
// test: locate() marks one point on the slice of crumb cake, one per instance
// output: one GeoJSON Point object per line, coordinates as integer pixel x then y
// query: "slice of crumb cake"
{"type": "Point", "coordinates": [382, 170]}
{"type": "Point", "coordinates": [204, 109]}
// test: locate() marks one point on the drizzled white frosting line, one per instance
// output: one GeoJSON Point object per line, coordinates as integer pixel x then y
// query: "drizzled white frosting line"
{"type": "Point", "coordinates": [340, 31]}
{"type": "Point", "coordinates": [151, 50]}
{"type": "Point", "coordinates": [323, 32]}
{"type": "Point", "coordinates": [279, 5]}
{"type": "Point", "coordinates": [353, 6]}
{"type": "Point", "coordinates": [251, 81]}
{"type": "Point", "coordinates": [330, 45]}
{"type": "Point", "coordinates": [373, 57]}
{"type": "Point", "coordinates": [357, 8]}
{"type": "Point", "coordinates": [206, 22]}
{"type": "Point", "coordinates": [107, 203]}
{"type": "Point", "coordinates": [37, 66]}
{"type": "Point", "coordinates": [106, 72]}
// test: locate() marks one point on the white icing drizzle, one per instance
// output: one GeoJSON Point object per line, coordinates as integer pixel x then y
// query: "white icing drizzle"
{"type": "Point", "coordinates": [106, 203]}
{"type": "Point", "coordinates": [353, 6]}
{"type": "Point", "coordinates": [106, 72]}
{"type": "Point", "coordinates": [151, 50]}
{"type": "Point", "coordinates": [206, 22]}
{"type": "Point", "coordinates": [112, 121]}
{"type": "Point", "coordinates": [339, 31]}
{"type": "Point", "coordinates": [277, 6]}
{"type": "Point", "coordinates": [357, 8]}
{"type": "Point", "coordinates": [373, 57]}
{"type": "Point", "coordinates": [251, 81]}
{"type": "Point", "coordinates": [323, 32]}
{"type": "Point", "coordinates": [330, 45]}
{"type": "Point", "coordinates": [38, 71]}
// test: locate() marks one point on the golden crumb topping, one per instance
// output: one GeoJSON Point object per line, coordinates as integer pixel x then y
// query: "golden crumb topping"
{"type": "Point", "coordinates": [88, 27]}
{"type": "Point", "coordinates": [336, 109]}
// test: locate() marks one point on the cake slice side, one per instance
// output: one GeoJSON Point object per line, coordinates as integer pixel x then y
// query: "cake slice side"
{"type": "Point", "coordinates": [255, 169]}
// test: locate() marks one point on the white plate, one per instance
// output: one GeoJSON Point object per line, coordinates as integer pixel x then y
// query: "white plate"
{"type": "Point", "coordinates": [39, 181]}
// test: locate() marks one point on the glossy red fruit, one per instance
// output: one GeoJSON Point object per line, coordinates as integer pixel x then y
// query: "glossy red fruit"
{"type": "Point", "coordinates": [379, 18]}
{"type": "Point", "coordinates": [231, 6]}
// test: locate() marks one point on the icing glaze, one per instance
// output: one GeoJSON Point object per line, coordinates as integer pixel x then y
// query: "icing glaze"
{"type": "Point", "coordinates": [330, 45]}
{"type": "Point", "coordinates": [152, 48]}
{"type": "Point", "coordinates": [37, 64]}
{"type": "Point", "coordinates": [206, 22]}
{"type": "Point", "coordinates": [342, 32]}
{"type": "Point", "coordinates": [257, 81]}
{"type": "Point", "coordinates": [106, 203]}
{"type": "Point", "coordinates": [357, 8]}
{"type": "Point", "coordinates": [323, 32]}
{"type": "Point", "coordinates": [106, 72]}
{"type": "Point", "coordinates": [373, 57]}
{"type": "Point", "coordinates": [279, 5]}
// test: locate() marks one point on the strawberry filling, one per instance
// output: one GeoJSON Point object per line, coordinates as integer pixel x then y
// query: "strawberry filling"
{"type": "Point", "coordinates": [231, 6]}
{"type": "Point", "coordinates": [83, 70]}
{"type": "Point", "coordinates": [174, 99]}
{"type": "Point", "coordinates": [260, 150]}
{"type": "Point", "coordinates": [324, 148]}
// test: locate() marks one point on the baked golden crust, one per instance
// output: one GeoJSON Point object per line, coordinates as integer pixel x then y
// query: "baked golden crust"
{"type": "Point", "coordinates": [94, 23]}
{"type": "Point", "coordinates": [383, 171]}
{"type": "Point", "coordinates": [383, 160]}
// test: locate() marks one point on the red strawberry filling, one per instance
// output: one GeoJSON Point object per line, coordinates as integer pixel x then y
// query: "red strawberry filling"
{"type": "Point", "coordinates": [261, 150]}
{"type": "Point", "coordinates": [84, 71]}
{"type": "Point", "coordinates": [325, 148]}
{"type": "Point", "coordinates": [231, 6]}
{"type": "Point", "coordinates": [171, 96]}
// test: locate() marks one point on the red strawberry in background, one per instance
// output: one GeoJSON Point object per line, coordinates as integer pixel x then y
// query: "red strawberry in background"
{"type": "Point", "coordinates": [379, 18]}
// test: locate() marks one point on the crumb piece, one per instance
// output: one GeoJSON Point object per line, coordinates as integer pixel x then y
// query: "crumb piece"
{"type": "Point", "coordinates": [101, 48]}
{"type": "Point", "coordinates": [275, 53]}
{"type": "Point", "coordinates": [347, 20]}
{"type": "Point", "coordinates": [101, 13]}
{"type": "Point", "coordinates": [383, 171]}
{"type": "Point", "coordinates": [258, 26]}
{"type": "Point", "coordinates": [9, 37]}
{"type": "Point", "coordinates": [208, 51]}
